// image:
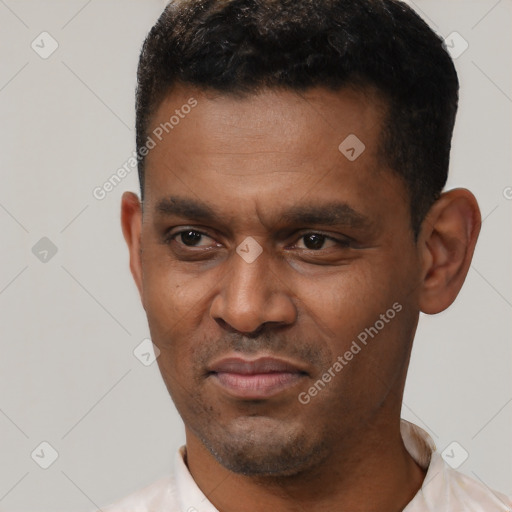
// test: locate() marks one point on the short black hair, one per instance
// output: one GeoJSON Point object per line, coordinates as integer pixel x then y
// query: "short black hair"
{"type": "Point", "coordinates": [243, 46]}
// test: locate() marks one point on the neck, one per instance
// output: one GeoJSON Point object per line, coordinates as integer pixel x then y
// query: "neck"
{"type": "Point", "coordinates": [370, 471]}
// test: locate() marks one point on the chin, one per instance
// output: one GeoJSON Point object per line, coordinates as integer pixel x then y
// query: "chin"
{"type": "Point", "coordinates": [262, 446]}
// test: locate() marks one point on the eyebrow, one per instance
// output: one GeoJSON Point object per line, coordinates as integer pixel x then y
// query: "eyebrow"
{"type": "Point", "coordinates": [187, 208]}
{"type": "Point", "coordinates": [329, 214]}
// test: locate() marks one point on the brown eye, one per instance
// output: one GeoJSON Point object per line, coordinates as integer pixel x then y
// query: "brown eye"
{"type": "Point", "coordinates": [189, 238]}
{"type": "Point", "coordinates": [316, 241]}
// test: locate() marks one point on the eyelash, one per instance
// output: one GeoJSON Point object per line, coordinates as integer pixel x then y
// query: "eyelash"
{"type": "Point", "coordinates": [345, 243]}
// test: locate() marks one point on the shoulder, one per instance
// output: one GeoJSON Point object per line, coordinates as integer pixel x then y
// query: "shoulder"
{"type": "Point", "coordinates": [448, 490]}
{"type": "Point", "coordinates": [160, 495]}
{"type": "Point", "coordinates": [445, 489]}
{"type": "Point", "coordinates": [475, 495]}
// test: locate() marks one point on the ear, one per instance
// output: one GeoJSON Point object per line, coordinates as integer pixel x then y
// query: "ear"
{"type": "Point", "coordinates": [131, 222]}
{"type": "Point", "coordinates": [446, 242]}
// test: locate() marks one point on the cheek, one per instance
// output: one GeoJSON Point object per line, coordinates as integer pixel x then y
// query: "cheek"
{"type": "Point", "coordinates": [177, 309]}
{"type": "Point", "coordinates": [173, 295]}
{"type": "Point", "coordinates": [363, 312]}
{"type": "Point", "coordinates": [353, 298]}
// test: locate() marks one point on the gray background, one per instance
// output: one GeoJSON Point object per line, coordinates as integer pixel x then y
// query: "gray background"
{"type": "Point", "coordinates": [70, 324]}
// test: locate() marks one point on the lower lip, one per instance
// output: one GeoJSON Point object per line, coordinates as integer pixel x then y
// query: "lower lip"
{"type": "Point", "coordinates": [256, 386]}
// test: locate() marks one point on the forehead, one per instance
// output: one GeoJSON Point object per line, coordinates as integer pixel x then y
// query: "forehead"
{"type": "Point", "coordinates": [282, 119]}
{"type": "Point", "coordinates": [273, 145]}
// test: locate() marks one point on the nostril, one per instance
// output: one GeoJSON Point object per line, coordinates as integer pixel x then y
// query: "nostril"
{"type": "Point", "coordinates": [252, 334]}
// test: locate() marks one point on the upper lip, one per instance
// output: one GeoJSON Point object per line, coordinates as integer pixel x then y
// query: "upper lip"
{"type": "Point", "coordinates": [253, 366]}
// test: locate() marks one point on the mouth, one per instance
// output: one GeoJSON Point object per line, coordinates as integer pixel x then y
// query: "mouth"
{"type": "Point", "coordinates": [255, 379]}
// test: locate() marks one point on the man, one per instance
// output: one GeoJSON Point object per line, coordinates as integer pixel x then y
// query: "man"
{"type": "Point", "coordinates": [291, 228]}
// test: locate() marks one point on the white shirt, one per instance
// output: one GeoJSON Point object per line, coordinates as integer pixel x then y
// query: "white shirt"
{"type": "Point", "coordinates": [443, 490]}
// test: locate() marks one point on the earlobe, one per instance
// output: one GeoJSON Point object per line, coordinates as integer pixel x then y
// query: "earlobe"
{"type": "Point", "coordinates": [131, 223]}
{"type": "Point", "coordinates": [447, 243]}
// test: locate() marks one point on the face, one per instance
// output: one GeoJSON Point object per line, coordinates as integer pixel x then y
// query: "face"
{"type": "Point", "coordinates": [278, 275]}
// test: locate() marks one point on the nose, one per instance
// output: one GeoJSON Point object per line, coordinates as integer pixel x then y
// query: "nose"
{"type": "Point", "coordinates": [251, 295]}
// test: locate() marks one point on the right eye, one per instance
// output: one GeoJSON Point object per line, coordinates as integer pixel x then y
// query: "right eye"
{"type": "Point", "coordinates": [188, 238]}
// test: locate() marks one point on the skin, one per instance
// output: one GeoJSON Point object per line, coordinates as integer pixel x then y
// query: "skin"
{"type": "Point", "coordinates": [250, 160]}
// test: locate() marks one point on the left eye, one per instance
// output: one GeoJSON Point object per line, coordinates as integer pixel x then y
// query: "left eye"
{"type": "Point", "coordinates": [315, 241]}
